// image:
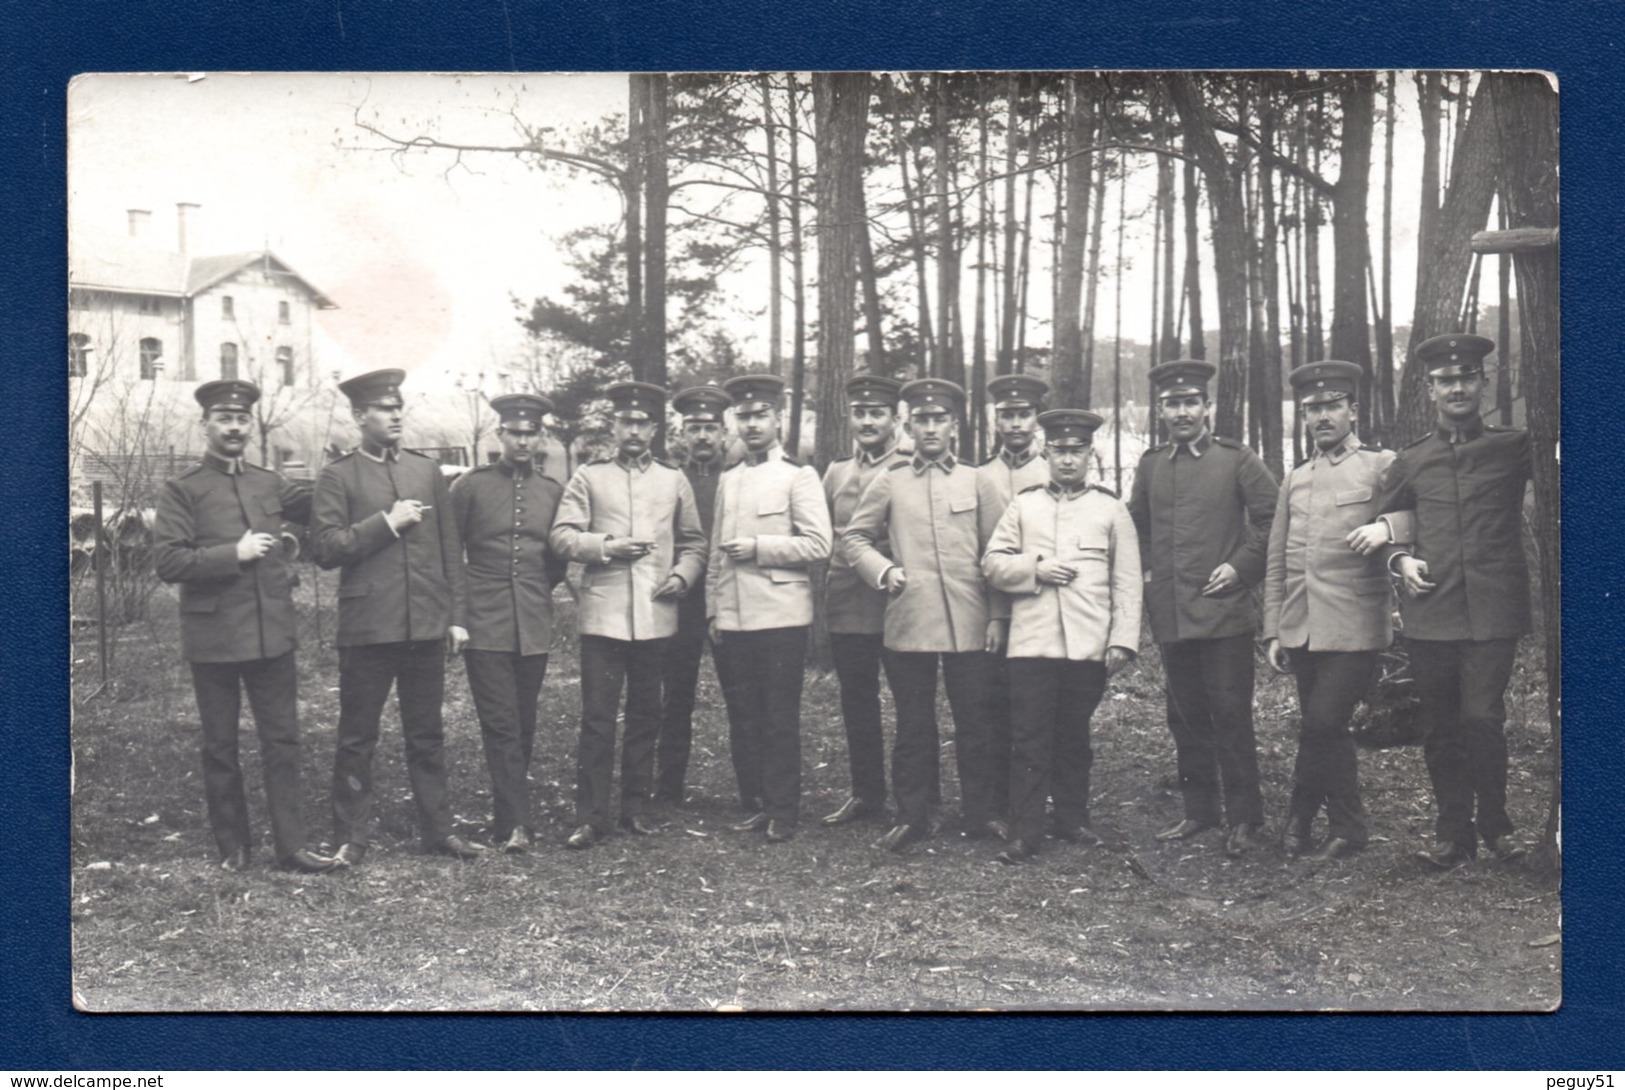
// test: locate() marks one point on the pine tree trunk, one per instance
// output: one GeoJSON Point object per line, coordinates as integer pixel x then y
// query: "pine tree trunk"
{"type": "Point", "coordinates": [1270, 277]}
{"type": "Point", "coordinates": [978, 377]}
{"type": "Point", "coordinates": [1229, 250]}
{"type": "Point", "coordinates": [1086, 382]}
{"type": "Point", "coordinates": [798, 274]}
{"type": "Point", "coordinates": [635, 122]}
{"type": "Point", "coordinates": [775, 244]}
{"type": "Point", "coordinates": [1067, 368]}
{"type": "Point", "coordinates": [1193, 262]}
{"type": "Point", "coordinates": [947, 256]}
{"type": "Point", "coordinates": [1446, 257]}
{"type": "Point", "coordinates": [656, 189]}
{"type": "Point", "coordinates": [840, 110]}
{"type": "Point", "coordinates": [1007, 285]}
{"type": "Point", "coordinates": [1528, 117]}
{"type": "Point", "coordinates": [1351, 325]}
{"type": "Point", "coordinates": [878, 363]}
{"type": "Point", "coordinates": [1384, 408]}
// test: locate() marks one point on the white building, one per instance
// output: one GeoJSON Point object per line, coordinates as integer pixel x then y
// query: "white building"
{"type": "Point", "coordinates": [147, 323]}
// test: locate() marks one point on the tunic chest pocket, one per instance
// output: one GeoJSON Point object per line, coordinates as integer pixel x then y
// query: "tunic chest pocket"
{"type": "Point", "coordinates": [1351, 495]}
{"type": "Point", "coordinates": [774, 509]}
{"type": "Point", "coordinates": [959, 505]}
{"type": "Point", "coordinates": [1089, 546]}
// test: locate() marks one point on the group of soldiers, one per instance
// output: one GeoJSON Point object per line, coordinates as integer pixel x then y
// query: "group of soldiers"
{"type": "Point", "coordinates": [1023, 579]}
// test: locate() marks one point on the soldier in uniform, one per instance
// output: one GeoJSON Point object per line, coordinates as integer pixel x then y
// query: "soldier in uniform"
{"type": "Point", "coordinates": [854, 612]}
{"type": "Point", "coordinates": [503, 511]}
{"type": "Point", "coordinates": [633, 521]}
{"type": "Point", "coordinates": [1327, 609]}
{"type": "Point", "coordinates": [381, 517]}
{"type": "Point", "coordinates": [1017, 400]}
{"type": "Point", "coordinates": [218, 534]}
{"type": "Point", "coordinates": [771, 524]}
{"type": "Point", "coordinates": [1202, 504]}
{"type": "Point", "coordinates": [926, 508]}
{"type": "Point", "coordinates": [703, 409]}
{"type": "Point", "coordinates": [1067, 555]}
{"type": "Point", "coordinates": [1466, 598]}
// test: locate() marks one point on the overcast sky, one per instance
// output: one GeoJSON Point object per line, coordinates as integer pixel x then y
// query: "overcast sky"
{"type": "Point", "coordinates": [422, 262]}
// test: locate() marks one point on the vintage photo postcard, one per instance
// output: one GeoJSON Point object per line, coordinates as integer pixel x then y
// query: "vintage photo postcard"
{"type": "Point", "coordinates": [783, 541]}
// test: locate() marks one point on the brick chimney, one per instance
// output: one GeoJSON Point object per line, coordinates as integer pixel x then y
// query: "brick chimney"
{"type": "Point", "coordinates": [186, 221]}
{"type": "Point", "coordinates": [139, 219]}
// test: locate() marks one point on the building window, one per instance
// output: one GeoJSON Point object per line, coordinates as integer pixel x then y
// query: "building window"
{"type": "Point", "coordinates": [284, 315]}
{"type": "Point", "coordinates": [152, 355]}
{"type": "Point", "coordinates": [78, 355]}
{"type": "Point", "coordinates": [228, 360]}
{"type": "Point", "coordinates": [149, 305]}
{"type": "Point", "coordinates": [227, 308]}
{"type": "Point", "coordinates": [284, 365]}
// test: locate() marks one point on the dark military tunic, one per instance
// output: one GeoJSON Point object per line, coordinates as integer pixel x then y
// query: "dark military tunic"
{"type": "Point", "coordinates": [1196, 506]}
{"type": "Point", "coordinates": [230, 612]}
{"type": "Point", "coordinates": [1466, 486]}
{"type": "Point", "coordinates": [503, 515]}
{"type": "Point", "coordinates": [702, 478]}
{"type": "Point", "coordinates": [392, 588]}
{"type": "Point", "coordinates": [238, 631]}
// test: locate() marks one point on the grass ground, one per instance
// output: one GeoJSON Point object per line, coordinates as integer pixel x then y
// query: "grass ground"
{"type": "Point", "coordinates": [699, 918]}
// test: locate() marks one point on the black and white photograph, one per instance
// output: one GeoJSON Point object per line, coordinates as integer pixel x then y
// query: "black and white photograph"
{"type": "Point", "coordinates": [814, 541]}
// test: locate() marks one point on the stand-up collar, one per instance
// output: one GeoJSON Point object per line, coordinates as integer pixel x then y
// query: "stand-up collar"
{"type": "Point", "coordinates": [946, 463]}
{"type": "Point", "coordinates": [641, 463]}
{"type": "Point", "coordinates": [1350, 444]}
{"type": "Point", "coordinates": [513, 469]}
{"type": "Point", "coordinates": [378, 452]}
{"type": "Point", "coordinates": [1465, 432]}
{"type": "Point", "coordinates": [1061, 493]}
{"type": "Point", "coordinates": [865, 459]}
{"type": "Point", "coordinates": [229, 466]}
{"type": "Point", "coordinates": [756, 457]}
{"type": "Point", "coordinates": [1196, 447]}
{"type": "Point", "coordinates": [1015, 461]}
{"type": "Point", "coordinates": [706, 468]}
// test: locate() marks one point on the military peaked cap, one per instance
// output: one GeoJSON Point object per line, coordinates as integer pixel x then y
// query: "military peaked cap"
{"type": "Point", "coordinates": [933, 393]}
{"type": "Point", "coordinates": [1177, 378]}
{"type": "Point", "coordinates": [1017, 392]}
{"type": "Point", "coordinates": [382, 388]}
{"type": "Point", "coordinates": [521, 412]}
{"type": "Point", "coordinates": [702, 404]}
{"type": "Point", "coordinates": [755, 391]}
{"type": "Point", "coordinates": [1326, 380]}
{"type": "Point", "coordinates": [637, 401]}
{"type": "Point", "coordinates": [880, 390]}
{"type": "Point", "coordinates": [1067, 427]}
{"type": "Point", "coordinates": [235, 394]}
{"type": "Point", "coordinates": [1453, 354]}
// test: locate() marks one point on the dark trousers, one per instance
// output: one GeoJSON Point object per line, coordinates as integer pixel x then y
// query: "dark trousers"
{"type": "Point", "coordinates": [506, 687]}
{"type": "Point", "coordinates": [857, 658]}
{"type": "Point", "coordinates": [680, 670]}
{"type": "Point", "coordinates": [1051, 702]}
{"type": "Point", "coordinates": [1462, 688]}
{"type": "Point", "coordinates": [273, 694]}
{"type": "Point", "coordinates": [766, 668]}
{"type": "Point", "coordinates": [607, 666]}
{"type": "Point", "coordinates": [913, 679]}
{"type": "Point", "coordinates": [1000, 738]}
{"type": "Point", "coordinates": [417, 670]}
{"type": "Point", "coordinates": [1327, 771]}
{"type": "Point", "coordinates": [1210, 714]}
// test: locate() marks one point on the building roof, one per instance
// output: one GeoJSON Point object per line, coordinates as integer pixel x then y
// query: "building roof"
{"type": "Point", "coordinates": [134, 267]}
